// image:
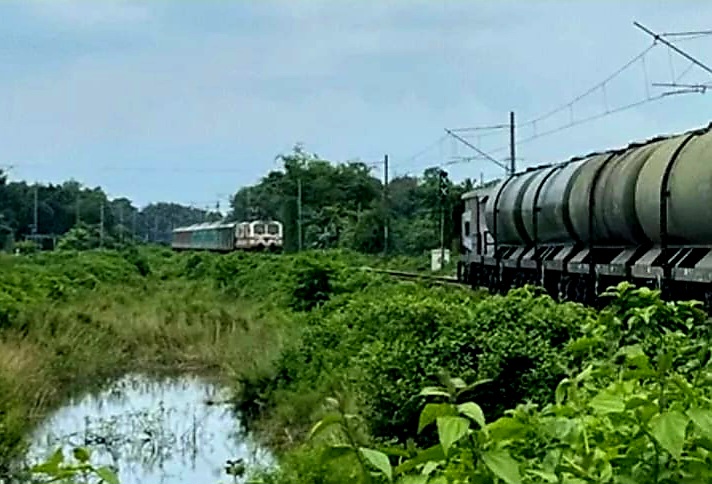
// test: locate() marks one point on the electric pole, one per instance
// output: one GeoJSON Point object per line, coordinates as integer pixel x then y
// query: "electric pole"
{"type": "Point", "coordinates": [299, 213]}
{"type": "Point", "coordinates": [386, 205]}
{"type": "Point", "coordinates": [512, 159]}
{"type": "Point", "coordinates": [77, 209]}
{"type": "Point", "coordinates": [101, 225]}
{"type": "Point", "coordinates": [133, 225]}
{"type": "Point", "coordinates": [35, 229]}
{"type": "Point", "coordinates": [442, 194]}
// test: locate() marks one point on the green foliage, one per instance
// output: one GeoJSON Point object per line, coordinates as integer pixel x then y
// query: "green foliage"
{"type": "Point", "coordinates": [79, 469]}
{"type": "Point", "coordinates": [637, 411]}
{"type": "Point", "coordinates": [343, 206]}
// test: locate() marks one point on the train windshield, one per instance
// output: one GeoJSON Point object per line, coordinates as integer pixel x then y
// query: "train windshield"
{"type": "Point", "coordinates": [273, 229]}
{"type": "Point", "coordinates": [259, 229]}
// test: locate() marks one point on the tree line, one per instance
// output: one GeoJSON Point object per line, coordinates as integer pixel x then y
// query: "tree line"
{"type": "Point", "coordinates": [345, 205]}
{"type": "Point", "coordinates": [322, 204]}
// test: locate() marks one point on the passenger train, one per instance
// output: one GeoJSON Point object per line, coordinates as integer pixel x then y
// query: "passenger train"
{"type": "Point", "coordinates": [230, 236]}
{"type": "Point", "coordinates": [642, 213]}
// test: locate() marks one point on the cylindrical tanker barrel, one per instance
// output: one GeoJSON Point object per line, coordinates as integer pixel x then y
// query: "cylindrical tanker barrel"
{"type": "Point", "coordinates": [689, 186]}
{"type": "Point", "coordinates": [649, 186]}
{"type": "Point", "coordinates": [615, 191]}
{"type": "Point", "coordinates": [554, 221]}
{"type": "Point", "coordinates": [507, 201]}
{"type": "Point", "coordinates": [579, 197]}
{"type": "Point", "coordinates": [531, 218]}
{"type": "Point", "coordinates": [613, 177]}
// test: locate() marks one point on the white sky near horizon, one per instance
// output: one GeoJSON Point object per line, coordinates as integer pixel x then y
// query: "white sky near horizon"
{"type": "Point", "coordinates": [187, 101]}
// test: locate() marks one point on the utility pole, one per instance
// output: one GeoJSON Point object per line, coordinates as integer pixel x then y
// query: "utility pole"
{"type": "Point", "coordinates": [442, 192]}
{"type": "Point", "coordinates": [512, 158]}
{"type": "Point", "coordinates": [121, 222]}
{"type": "Point", "coordinates": [299, 212]}
{"type": "Point", "coordinates": [35, 229]}
{"type": "Point", "coordinates": [77, 208]}
{"type": "Point", "coordinates": [133, 225]}
{"type": "Point", "coordinates": [101, 225]}
{"type": "Point", "coordinates": [386, 205]}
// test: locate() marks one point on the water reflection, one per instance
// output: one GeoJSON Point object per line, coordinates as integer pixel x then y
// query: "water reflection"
{"type": "Point", "coordinates": [153, 431]}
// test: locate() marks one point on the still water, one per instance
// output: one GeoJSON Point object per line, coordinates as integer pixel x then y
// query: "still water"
{"type": "Point", "coordinates": [153, 431]}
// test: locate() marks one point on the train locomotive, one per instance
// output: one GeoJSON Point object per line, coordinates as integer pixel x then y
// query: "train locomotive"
{"type": "Point", "coordinates": [230, 236]}
{"type": "Point", "coordinates": [642, 213]}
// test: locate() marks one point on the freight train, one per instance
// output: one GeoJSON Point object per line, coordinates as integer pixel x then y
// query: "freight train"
{"type": "Point", "coordinates": [642, 213]}
{"type": "Point", "coordinates": [230, 236]}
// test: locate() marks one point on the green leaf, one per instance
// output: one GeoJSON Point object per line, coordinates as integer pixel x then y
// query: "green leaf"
{"type": "Point", "coordinates": [450, 430]}
{"type": "Point", "coordinates": [664, 362]}
{"type": "Point", "coordinates": [335, 451]}
{"type": "Point", "coordinates": [434, 391]}
{"type": "Point", "coordinates": [607, 402]}
{"type": "Point", "coordinates": [702, 417]}
{"type": "Point", "coordinates": [546, 476]}
{"type": "Point", "coordinates": [560, 393]}
{"type": "Point", "coordinates": [324, 423]}
{"type": "Point", "coordinates": [51, 465]}
{"type": "Point", "coordinates": [431, 454]}
{"type": "Point", "coordinates": [107, 475]}
{"type": "Point", "coordinates": [503, 466]}
{"type": "Point", "coordinates": [505, 428]}
{"type": "Point", "coordinates": [379, 460]}
{"type": "Point", "coordinates": [432, 411]}
{"type": "Point", "coordinates": [416, 479]}
{"type": "Point", "coordinates": [474, 411]}
{"type": "Point", "coordinates": [81, 454]}
{"type": "Point", "coordinates": [668, 429]}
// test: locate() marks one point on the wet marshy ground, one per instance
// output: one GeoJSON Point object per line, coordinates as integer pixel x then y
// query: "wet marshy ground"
{"type": "Point", "coordinates": [170, 430]}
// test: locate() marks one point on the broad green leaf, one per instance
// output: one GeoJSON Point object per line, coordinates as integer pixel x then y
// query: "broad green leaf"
{"type": "Point", "coordinates": [379, 460]}
{"type": "Point", "coordinates": [450, 430]}
{"type": "Point", "coordinates": [335, 451]}
{"type": "Point", "coordinates": [430, 467]}
{"type": "Point", "coordinates": [607, 402]}
{"type": "Point", "coordinates": [702, 417]}
{"type": "Point", "coordinates": [431, 454]}
{"type": "Point", "coordinates": [505, 428]}
{"type": "Point", "coordinates": [668, 429]}
{"type": "Point", "coordinates": [434, 391]}
{"type": "Point", "coordinates": [664, 362]}
{"type": "Point", "coordinates": [107, 475]}
{"type": "Point", "coordinates": [432, 411]}
{"type": "Point", "coordinates": [81, 454]}
{"type": "Point", "coordinates": [503, 466]}
{"type": "Point", "coordinates": [458, 383]}
{"type": "Point", "coordinates": [474, 411]}
{"type": "Point", "coordinates": [51, 465]}
{"type": "Point", "coordinates": [324, 423]}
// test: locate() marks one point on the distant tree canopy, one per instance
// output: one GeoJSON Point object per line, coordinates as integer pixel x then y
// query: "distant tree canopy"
{"type": "Point", "coordinates": [69, 205]}
{"type": "Point", "coordinates": [342, 205]}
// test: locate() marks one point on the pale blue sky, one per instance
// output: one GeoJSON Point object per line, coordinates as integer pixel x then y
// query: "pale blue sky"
{"type": "Point", "coordinates": [188, 100]}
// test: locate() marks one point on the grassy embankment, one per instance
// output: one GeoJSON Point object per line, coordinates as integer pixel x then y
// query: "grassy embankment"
{"type": "Point", "coordinates": [69, 320]}
{"type": "Point", "coordinates": [623, 395]}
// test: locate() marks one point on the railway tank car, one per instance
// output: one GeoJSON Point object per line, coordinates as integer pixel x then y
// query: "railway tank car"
{"type": "Point", "coordinates": [229, 236]}
{"type": "Point", "coordinates": [640, 213]}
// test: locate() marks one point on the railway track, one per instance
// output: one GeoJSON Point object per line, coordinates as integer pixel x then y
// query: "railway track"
{"type": "Point", "coordinates": [414, 276]}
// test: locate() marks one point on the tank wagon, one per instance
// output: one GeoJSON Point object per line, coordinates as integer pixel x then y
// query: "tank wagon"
{"type": "Point", "coordinates": [227, 237]}
{"type": "Point", "coordinates": [642, 213]}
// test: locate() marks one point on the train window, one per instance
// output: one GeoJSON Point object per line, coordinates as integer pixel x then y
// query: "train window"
{"type": "Point", "coordinates": [273, 229]}
{"type": "Point", "coordinates": [467, 228]}
{"type": "Point", "coordinates": [259, 229]}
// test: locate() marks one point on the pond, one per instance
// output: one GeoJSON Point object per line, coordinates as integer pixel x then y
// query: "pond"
{"type": "Point", "coordinates": [168, 430]}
